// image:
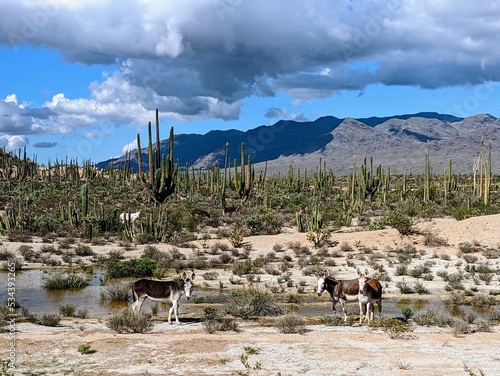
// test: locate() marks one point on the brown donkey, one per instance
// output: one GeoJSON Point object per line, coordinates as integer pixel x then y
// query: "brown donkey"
{"type": "Point", "coordinates": [370, 292]}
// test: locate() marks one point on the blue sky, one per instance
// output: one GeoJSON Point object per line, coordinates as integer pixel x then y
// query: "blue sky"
{"type": "Point", "coordinates": [81, 79]}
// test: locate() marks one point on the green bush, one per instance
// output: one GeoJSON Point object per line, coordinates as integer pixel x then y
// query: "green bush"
{"type": "Point", "coordinates": [59, 281]}
{"type": "Point", "coordinates": [399, 221]}
{"type": "Point", "coordinates": [6, 255]}
{"type": "Point", "coordinates": [84, 349]}
{"type": "Point", "coordinates": [136, 268]}
{"type": "Point", "coordinates": [378, 224]}
{"type": "Point", "coordinates": [28, 253]}
{"type": "Point", "coordinates": [84, 250]}
{"type": "Point", "coordinates": [153, 253]}
{"type": "Point", "coordinates": [332, 320]}
{"type": "Point", "coordinates": [244, 267]}
{"type": "Point", "coordinates": [45, 223]}
{"type": "Point", "coordinates": [407, 312]}
{"type": "Point", "coordinates": [67, 310]}
{"type": "Point", "coordinates": [404, 288]}
{"type": "Point", "coordinates": [264, 223]}
{"type": "Point", "coordinates": [253, 303]}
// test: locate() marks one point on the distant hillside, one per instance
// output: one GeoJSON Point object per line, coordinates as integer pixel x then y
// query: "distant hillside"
{"type": "Point", "coordinates": [399, 142]}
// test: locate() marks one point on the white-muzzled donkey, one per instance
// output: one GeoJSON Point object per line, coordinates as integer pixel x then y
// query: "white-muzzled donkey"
{"type": "Point", "coordinates": [162, 291]}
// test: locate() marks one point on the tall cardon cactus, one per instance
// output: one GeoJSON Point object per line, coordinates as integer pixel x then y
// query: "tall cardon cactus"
{"type": "Point", "coordinates": [244, 180]}
{"type": "Point", "coordinates": [162, 172]}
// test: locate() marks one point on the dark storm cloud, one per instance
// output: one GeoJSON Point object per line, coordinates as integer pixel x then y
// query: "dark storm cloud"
{"type": "Point", "coordinates": [202, 59]}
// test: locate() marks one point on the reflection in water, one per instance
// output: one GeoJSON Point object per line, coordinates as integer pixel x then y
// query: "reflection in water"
{"type": "Point", "coordinates": [31, 295]}
{"type": "Point", "coordinates": [416, 305]}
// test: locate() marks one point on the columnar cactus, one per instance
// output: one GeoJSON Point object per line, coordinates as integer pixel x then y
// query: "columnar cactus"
{"type": "Point", "coordinates": [243, 180]}
{"type": "Point", "coordinates": [162, 172]}
{"type": "Point", "coordinates": [371, 182]}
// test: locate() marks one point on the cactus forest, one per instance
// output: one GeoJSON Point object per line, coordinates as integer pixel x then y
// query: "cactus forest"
{"type": "Point", "coordinates": [73, 198]}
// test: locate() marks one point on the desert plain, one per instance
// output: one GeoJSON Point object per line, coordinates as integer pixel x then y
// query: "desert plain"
{"type": "Point", "coordinates": [259, 348]}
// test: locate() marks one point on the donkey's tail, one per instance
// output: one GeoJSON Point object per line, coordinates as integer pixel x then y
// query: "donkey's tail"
{"type": "Point", "coordinates": [133, 294]}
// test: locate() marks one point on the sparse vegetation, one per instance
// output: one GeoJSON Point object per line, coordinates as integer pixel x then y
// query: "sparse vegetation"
{"type": "Point", "coordinates": [128, 321]}
{"type": "Point", "coordinates": [59, 281]}
{"type": "Point", "coordinates": [45, 319]}
{"type": "Point", "coordinates": [290, 323]}
{"type": "Point", "coordinates": [84, 349]}
{"type": "Point", "coordinates": [264, 280]}
{"type": "Point", "coordinates": [253, 302]}
{"type": "Point", "coordinates": [116, 292]}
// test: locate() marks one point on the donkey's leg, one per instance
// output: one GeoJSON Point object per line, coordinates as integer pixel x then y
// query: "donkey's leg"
{"type": "Point", "coordinates": [360, 311]}
{"type": "Point", "coordinates": [370, 309]}
{"type": "Point", "coordinates": [344, 308]}
{"type": "Point", "coordinates": [136, 306]}
{"type": "Point", "coordinates": [173, 308]}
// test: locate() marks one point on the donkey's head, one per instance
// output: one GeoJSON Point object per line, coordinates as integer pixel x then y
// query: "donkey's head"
{"type": "Point", "coordinates": [321, 284]}
{"type": "Point", "coordinates": [362, 279]}
{"type": "Point", "coordinates": [188, 284]}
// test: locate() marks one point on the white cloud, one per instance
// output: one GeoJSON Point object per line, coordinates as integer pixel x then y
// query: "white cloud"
{"type": "Point", "coordinates": [201, 59]}
{"type": "Point", "coordinates": [12, 98]}
{"type": "Point", "coordinates": [130, 146]}
{"type": "Point", "coordinates": [13, 143]}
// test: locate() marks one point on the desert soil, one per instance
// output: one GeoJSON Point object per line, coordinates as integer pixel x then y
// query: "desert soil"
{"type": "Point", "coordinates": [322, 350]}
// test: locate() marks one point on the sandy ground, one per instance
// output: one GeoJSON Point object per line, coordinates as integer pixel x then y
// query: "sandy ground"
{"type": "Point", "coordinates": [321, 350]}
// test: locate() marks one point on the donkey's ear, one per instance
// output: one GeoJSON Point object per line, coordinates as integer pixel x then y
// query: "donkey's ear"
{"type": "Point", "coordinates": [184, 275]}
{"type": "Point", "coordinates": [366, 271]}
{"type": "Point", "coordinates": [359, 271]}
{"type": "Point", "coordinates": [192, 276]}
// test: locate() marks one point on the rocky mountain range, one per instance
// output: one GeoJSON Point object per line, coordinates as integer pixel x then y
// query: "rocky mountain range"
{"type": "Point", "coordinates": [399, 142]}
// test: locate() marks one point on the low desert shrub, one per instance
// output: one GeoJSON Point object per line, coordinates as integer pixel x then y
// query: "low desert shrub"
{"type": "Point", "coordinates": [13, 263]}
{"type": "Point", "coordinates": [253, 302]}
{"type": "Point", "coordinates": [468, 247]}
{"type": "Point", "coordinates": [420, 288]}
{"type": "Point", "coordinates": [244, 267]}
{"type": "Point", "coordinates": [393, 327]}
{"type": "Point", "coordinates": [6, 255]}
{"type": "Point", "coordinates": [45, 319]}
{"type": "Point", "coordinates": [28, 253]}
{"type": "Point", "coordinates": [128, 321]}
{"type": "Point", "coordinates": [432, 317]}
{"type": "Point", "coordinates": [214, 321]}
{"type": "Point", "coordinates": [404, 288]}
{"type": "Point", "coordinates": [67, 310]}
{"type": "Point", "coordinates": [83, 250]}
{"type": "Point", "coordinates": [116, 292]}
{"type": "Point", "coordinates": [431, 239]}
{"type": "Point", "coordinates": [290, 323]}
{"type": "Point", "coordinates": [59, 281]}
{"type": "Point", "coordinates": [84, 349]}
{"type": "Point", "coordinates": [266, 223]}
{"type": "Point", "coordinates": [399, 221]}
{"type": "Point", "coordinates": [332, 320]}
